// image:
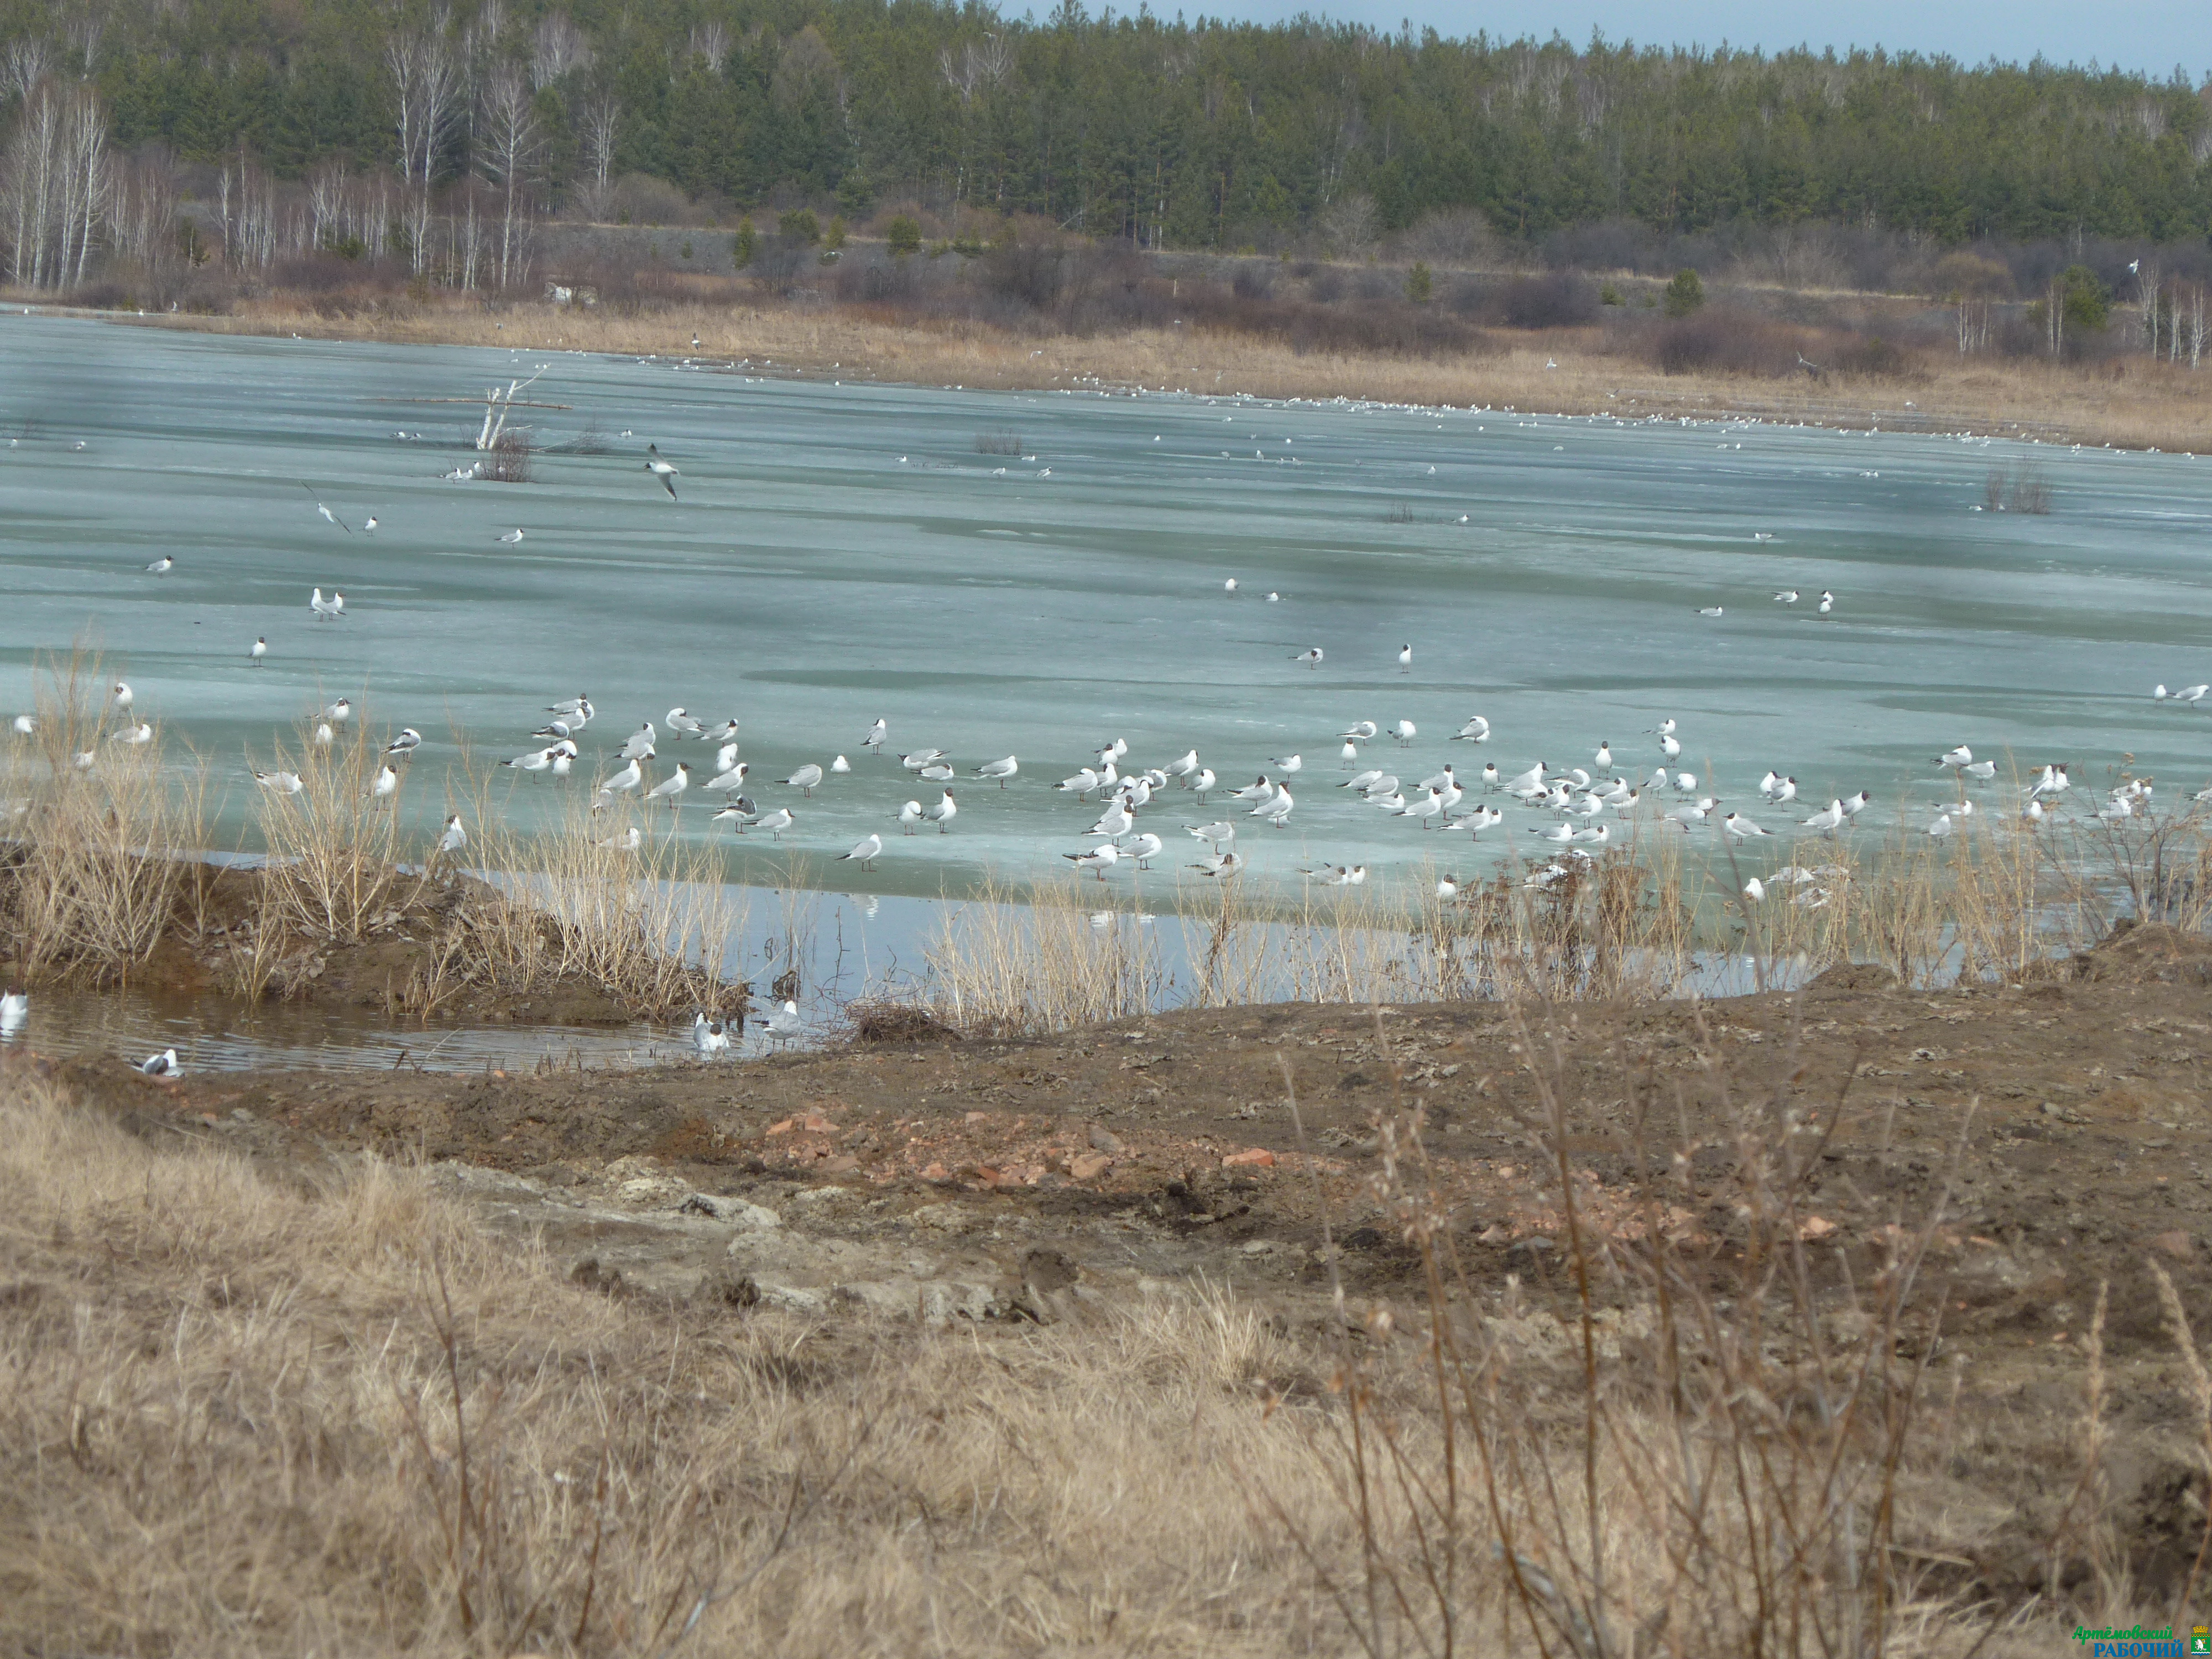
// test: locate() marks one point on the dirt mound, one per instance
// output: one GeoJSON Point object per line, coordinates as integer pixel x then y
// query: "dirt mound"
{"type": "Point", "coordinates": [2147, 953]}
{"type": "Point", "coordinates": [897, 1022]}
{"type": "Point", "coordinates": [1853, 976]}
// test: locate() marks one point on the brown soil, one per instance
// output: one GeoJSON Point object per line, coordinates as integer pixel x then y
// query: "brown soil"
{"type": "Point", "coordinates": [2068, 1119]}
{"type": "Point", "coordinates": [210, 939]}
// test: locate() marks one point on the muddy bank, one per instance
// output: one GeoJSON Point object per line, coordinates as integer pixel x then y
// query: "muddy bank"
{"type": "Point", "coordinates": [2062, 1128]}
{"type": "Point", "coordinates": [409, 962]}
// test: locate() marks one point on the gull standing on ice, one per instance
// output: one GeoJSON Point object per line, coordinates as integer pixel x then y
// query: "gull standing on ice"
{"type": "Point", "coordinates": [161, 566]}
{"type": "Point", "coordinates": [999, 770]}
{"type": "Point", "coordinates": [864, 851]}
{"type": "Point", "coordinates": [258, 649]}
{"type": "Point", "coordinates": [1310, 657]}
{"type": "Point", "coordinates": [944, 812]}
{"type": "Point", "coordinates": [1406, 658]}
{"type": "Point", "coordinates": [1099, 860]}
{"type": "Point", "coordinates": [669, 788]}
{"type": "Point", "coordinates": [805, 778]}
{"type": "Point", "coordinates": [908, 815]}
{"type": "Point", "coordinates": [775, 823]}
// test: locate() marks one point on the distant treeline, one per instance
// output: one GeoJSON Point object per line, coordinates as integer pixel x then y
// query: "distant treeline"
{"type": "Point", "coordinates": [1204, 135]}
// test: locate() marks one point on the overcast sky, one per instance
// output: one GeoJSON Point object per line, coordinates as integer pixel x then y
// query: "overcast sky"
{"type": "Point", "coordinates": [2149, 35]}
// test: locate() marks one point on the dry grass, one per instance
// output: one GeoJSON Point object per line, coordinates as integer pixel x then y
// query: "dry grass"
{"type": "Point", "coordinates": [2148, 405]}
{"type": "Point", "coordinates": [97, 866]}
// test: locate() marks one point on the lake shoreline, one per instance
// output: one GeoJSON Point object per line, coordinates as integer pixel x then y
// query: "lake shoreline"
{"type": "Point", "coordinates": [1558, 372]}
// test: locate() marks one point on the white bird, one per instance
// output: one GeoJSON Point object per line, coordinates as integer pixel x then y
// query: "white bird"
{"type": "Point", "coordinates": [1229, 587]}
{"type": "Point", "coordinates": [124, 696]}
{"type": "Point", "coordinates": [804, 779]}
{"type": "Point", "coordinates": [629, 778]}
{"type": "Point", "coordinates": [1531, 779]}
{"type": "Point", "coordinates": [908, 815]}
{"type": "Point", "coordinates": [1941, 827]}
{"type": "Point", "coordinates": [387, 781]}
{"type": "Point", "coordinates": [1855, 805]}
{"type": "Point", "coordinates": [511, 537]}
{"type": "Point", "coordinates": [1142, 848]}
{"type": "Point", "coordinates": [1311, 658]}
{"type": "Point", "coordinates": [999, 770]}
{"type": "Point", "coordinates": [1670, 747]}
{"type": "Point", "coordinates": [1201, 780]}
{"type": "Point", "coordinates": [1665, 728]}
{"type": "Point", "coordinates": [1742, 828]}
{"type": "Point", "coordinates": [920, 758]}
{"type": "Point", "coordinates": [1183, 766]}
{"type": "Point", "coordinates": [1828, 819]}
{"type": "Point", "coordinates": [15, 1009]}
{"type": "Point", "coordinates": [1405, 658]}
{"type": "Point", "coordinates": [1981, 771]}
{"type": "Point", "coordinates": [1477, 730]}
{"type": "Point", "coordinates": [639, 745]}
{"type": "Point", "coordinates": [579, 704]}
{"type": "Point", "coordinates": [1273, 598]}
{"type": "Point", "coordinates": [1784, 792]}
{"type": "Point", "coordinates": [341, 711]}
{"type": "Point", "coordinates": [1276, 811]}
{"type": "Point", "coordinates": [1755, 889]}
{"type": "Point", "coordinates": [1482, 818]}
{"type": "Point", "coordinates": [864, 851]}
{"type": "Point", "coordinates": [670, 788]}
{"type": "Point", "coordinates": [161, 566]}
{"type": "Point", "coordinates": [1218, 834]}
{"type": "Point", "coordinates": [877, 733]}
{"type": "Point", "coordinates": [775, 823]}
{"type": "Point", "coordinates": [1787, 596]}
{"type": "Point", "coordinates": [1406, 732]}
{"type": "Point", "coordinates": [1604, 757]}
{"type": "Point", "coordinates": [1361, 732]}
{"type": "Point", "coordinates": [627, 841]}
{"type": "Point", "coordinates": [944, 812]}
{"type": "Point", "coordinates": [536, 761]}
{"type": "Point", "coordinates": [1288, 763]}
{"type": "Point", "coordinates": [324, 736]}
{"type": "Point", "coordinates": [1335, 875]}
{"type": "Point", "coordinates": [324, 609]}
{"type": "Point", "coordinates": [1827, 603]}
{"type": "Point", "coordinates": [1956, 757]}
{"type": "Point", "coordinates": [1710, 610]}
{"type": "Point", "coordinates": [708, 1037]}
{"type": "Point", "coordinates": [369, 528]}
{"type": "Point", "coordinates": [682, 725]}
{"type": "Point", "coordinates": [1258, 789]}
{"type": "Point", "coordinates": [1443, 780]}
{"type": "Point", "coordinates": [1560, 833]}
{"type": "Point", "coordinates": [841, 764]}
{"type": "Point", "coordinates": [938, 772]}
{"type": "Point", "coordinates": [661, 470]}
{"type": "Point", "coordinates": [327, 515]}
{"type": "Point", "coordinates": [1429, 807]}
{"type": "Point", "coordinates": [161, 1065]}
{"type": "Point", "coordinates": [1099, 860]}
{"type": "Point", "coordinates": [258, 649]}
{"type": "Point", "coordinates": [280, 783]}
{"type": "Point", "coordinates": [785, 1024]}
{"type": "Point", "coordinates": [1220, 865]}
{"type": "Point", "coordinates": [455, 837]}
{"type": "Point", "coordinates": [406, 743]}
{"type": "Point", "coordinates": [1115, 821]}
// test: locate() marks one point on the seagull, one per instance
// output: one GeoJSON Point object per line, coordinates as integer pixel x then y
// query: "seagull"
{"type": "Point", "coordinates": [134, 735]}
{"type": "Point", "coordinates": [1477, 730]}
{"type": "Point", "coordinates": [944, 812]}
{"type": "Point", "coordinates": [1083, 783]}
{"type": "Point", "coordinates": [775, 823]}
{"type": "Point", "coordinates": [1482, 818]}
{"type": "Point", "coordinates": [387, 781]}
{"type": "Point", "coordinates": [258, 649]}
{"type": "Point", "coordinates": [841, 764]}
{"type": "Point", "coordinates": [661, 470]}
{"type": "Point", "coordinates": [1218, 834]}
{"type": "Point", "coordinates": [938, 772]}
{"type": "Point", "coordinates": [1229, 587]}
{"type": "Point", "coordinates": [1115, 821]}
{"type": "Point", "coordinates": [1100, 858]}
{"type": "Point", "coordinates": [124, 696]}
{"type": "Point", "coordinates": [1443, 780]}
{"type": "Point", "coordinates": [627, 841]}
{"type": "Point", "coordinates": [999, 770]}
{"type": "Point", "coordinates": [280, 783]}
{"type": "Point", "coordinates": [576, 705]}
{"type": "Point", "coordinates": [1828, 819]}
{"type": "Point", "coordinates": [1361, 732]}
{"type": "Point", "coordinates": [15, 1009]}
{"type": "Point", "coordinates": [1856, 803]}
{"type": "Point", "coordinates": [1827, 602]}
{"type": "Point", "coordinates": [325, 609]}
{"type": "Point", "coordinates": [406, 743]}
{"type": "Point", "coordinates": [639, 745]}
{"type": "Point", "coordinates": [2193, 694]}
{"type": "Point", "coordinates": [1787, 596]}
{"type": "Point", "coordinates": [161, 566]}
{"type": "Point", "coordinates": [163, 1065]}
{"type": "Point", "coordinates": [681, 723]}
{"type": "Point", "coordinates": [1310, 657]}
{"type": "Point", "coordinates": [1182, 768]}
{"type": "Point", "coordinates": [669, 788]}
{"type": "Point", "coordinates": [536, 761]}
{"type": "Point", "coordinates": [511, 537]}
{"type": "Point", "coordinates": [1560, 833]}
{"type": "Point", "coordinates": [908, 815]}
{"type": "Point", "coordinates": [1670, 747]}
{"type": "Point", "coordinates": [1339, 875]}
{"type": "Point", "coordinates": [1941, 827]}
{"type": "Point", "coordinates": [455, 837]}
{"type": "Point", "coordinates": [341, 711]}
{"type": "Point", "coordinates": [1404, 734]}
{"type": "Point", "coordinates": [369, 528]}
{"type": "Point", "coordinates": [1276, 811]}
{"type": "Point", "coordinates": [1957, 758]}
{"type": "Point", "coordinates": [785, 1024]}
{"type": "Point", "coordinates": [1258, 789]}
{"type": "Point", "coordinates": [1406, 658]}
{"type": "Point", "coordinates": [1709, 611]}
{"type": "Point", "coordinates": [874, 741]}
{"type": "Point", "coordinates": [1982, 770]}
{"type": "Point", "coordinates": [1142, 848]}
{"type": "Point", "coordinates": [1202, 781]}
{"type": "Point", "coordinates": [1741, 827]}
{"type": "Point", "coordinates": [1288, 763]}
{"type": "Point", "coordinates": [709, 1037]}
{"type": "Point", "coordinates": [920, 758]}
{"type": "Point", "coordinates": [1531, 779]}
{"type": "Point", "coordinates": [1604, 757]}
{"type": "Point", "coordinates": [1220, 865]}
{"type": "Point", "coordinates": [1755, 889]}
{"type": "Point", "coordinates": [324, 511]}
{"type": "Point", "coordinates": [804, 779]}
{"type": "Point", "coordinates": [864, 851]}
{"type": "Point", "coordinates": [629, 778]}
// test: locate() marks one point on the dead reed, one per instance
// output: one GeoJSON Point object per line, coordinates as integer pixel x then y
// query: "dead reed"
{"type": "Point", "coordinates": [96, 868]}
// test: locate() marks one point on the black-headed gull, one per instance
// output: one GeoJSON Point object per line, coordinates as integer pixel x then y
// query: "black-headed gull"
{"type": "Point", "coordinates": [258, 649]}
{"type": "Point", "coordinates": [1740, 828]}
{"type": "Point", "coordinates": [661, 470]}
{"type": "Point", "coordinates": [670, 787]}
{"type": "Point", "coordinates": [1099, 860]}
{"type": "Point", "coordinates": [998, 771]}
{"type": "Point", "coordinates": [1477, 730]}
{"type": "Point", "coordinates": [1219, 835]}
{"type": "Point", "coordinates": [161, 1065]}
{"type": "Point", "coordinates": [1311, 657]}
{"type": "Point", "coordinates": [709, 1037]}
{"type": "Point", "coordinates": [627, 841]}
{"type": "Point", "coordinates": [161, 566]}
{"type": "Point", "coordinates": [944, 812]}
{"type": "Point", "coordinates": [775, 823]}
{"type": "Point", "coordinates": [511, 537]}
{"type": "Point", "coordinates": [1360, 732]}
{"type": "Point", "coordinates": [681, 723]}
{"type": "Point", "coordinates": [455, 837]}
{"type": "Point", "coordinates": [639, 745]}
{"type": "Point", "coordinates": [1406, 658]}
{"type": "Point", "coordinates": [1142, 847]}
{"type": "Point", "coordinates": [876, 732]}
{"type": "Point", "coordinates": [864, 851]}
{"type": "Point", "coordinates": [406, 743]}
{"type": "Point", "coordinates": [1287, 763]}
{"type": "Point", "coordinates": [1220, 865]}
{"type": "Point", "coordinates": [804, 779]}
{"type": "Point", "coordinates": [629, 778]}
{"type": "Point", "coordinates": [908, 815]}
{"type": "Point", "coordinates": [1955, 758]}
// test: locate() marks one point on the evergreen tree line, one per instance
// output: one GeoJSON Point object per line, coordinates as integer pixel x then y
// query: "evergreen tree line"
{"type": "Point", "coordinates": [1176, 135]}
